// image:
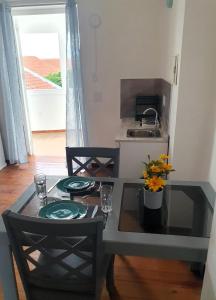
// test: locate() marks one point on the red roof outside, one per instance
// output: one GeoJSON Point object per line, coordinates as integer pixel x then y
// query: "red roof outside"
{"type": "Point", "coordinates": [36, 69]}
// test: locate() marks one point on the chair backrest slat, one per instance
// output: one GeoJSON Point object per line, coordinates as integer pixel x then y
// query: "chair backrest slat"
{"type": "Point", "coordinates": [41, 245]}
{"type": "Point", "coordinates": [93, 156]}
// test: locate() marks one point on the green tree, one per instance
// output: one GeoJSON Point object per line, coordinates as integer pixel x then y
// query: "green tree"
{"type": "Point", "coordinates": [55, 78]}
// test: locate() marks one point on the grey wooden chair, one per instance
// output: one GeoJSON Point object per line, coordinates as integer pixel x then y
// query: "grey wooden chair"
{"type": "Point", "coordinates": [58, 259]}
{"type": "Point", "coordinates": [93, 166]}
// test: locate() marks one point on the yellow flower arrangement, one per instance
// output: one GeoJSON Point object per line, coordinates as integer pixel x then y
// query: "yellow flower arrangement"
{"type": "Point", "coordinates": [167, 167]}
{"type": "Point", "coordinates": [145, 175]}
{"type": "Point", "coordinates": [155, 169]}
{"type": "Point", "coordinates": [164, 156]}
{"type": "Point", "coordinates": [155, 183]}
{"type": "Point", "coordinates": [155, 172]}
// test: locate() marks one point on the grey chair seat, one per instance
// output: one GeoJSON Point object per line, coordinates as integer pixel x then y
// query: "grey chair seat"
{"type": "Point", "coordinates": [61, 292]}
{"type": "Point", "coordinates": [56, 271]}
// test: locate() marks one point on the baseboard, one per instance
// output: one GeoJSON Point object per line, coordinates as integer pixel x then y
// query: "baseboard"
{"type": "Point", "coordinates": [48, 131]}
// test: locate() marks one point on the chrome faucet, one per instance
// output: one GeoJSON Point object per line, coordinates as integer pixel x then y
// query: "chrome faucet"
{"type": "Point", "coordinates": [156, 115]}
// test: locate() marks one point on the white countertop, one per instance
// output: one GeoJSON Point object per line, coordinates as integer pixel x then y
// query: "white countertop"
{"type": "Point", "coordinates": [130, 123]}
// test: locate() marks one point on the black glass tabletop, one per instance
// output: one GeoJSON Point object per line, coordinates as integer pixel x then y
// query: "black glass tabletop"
{"type": "Point", "coordinates": [185, 211]}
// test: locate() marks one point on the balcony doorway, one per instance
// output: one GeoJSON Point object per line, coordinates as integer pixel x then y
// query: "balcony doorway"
{"type": "Point", "coordinates": [41, 37]}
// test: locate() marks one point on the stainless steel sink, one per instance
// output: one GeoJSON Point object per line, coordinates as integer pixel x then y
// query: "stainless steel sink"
{"type": "Point", "coordinates": [143, 133]}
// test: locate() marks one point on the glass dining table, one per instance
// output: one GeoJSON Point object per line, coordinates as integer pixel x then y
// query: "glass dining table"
{"type": "Point", "coordinates": [179, 230]}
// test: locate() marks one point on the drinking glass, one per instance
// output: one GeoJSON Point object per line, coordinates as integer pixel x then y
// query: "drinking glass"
{"type": "Point", "coordinates": [40, 185]}
{"type": "Point", "coordinates": [106, 198]}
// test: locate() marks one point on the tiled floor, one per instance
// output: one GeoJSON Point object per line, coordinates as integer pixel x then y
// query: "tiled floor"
{"type": "Point", "coordinates": [49, 144]}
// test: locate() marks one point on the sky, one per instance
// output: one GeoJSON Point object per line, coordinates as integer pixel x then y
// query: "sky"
{"type": "Point", "coordinates": [42, 45]}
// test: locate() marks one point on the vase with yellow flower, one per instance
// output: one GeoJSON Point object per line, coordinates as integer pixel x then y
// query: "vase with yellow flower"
{"type": "Point", "coordinates": [155, 175]}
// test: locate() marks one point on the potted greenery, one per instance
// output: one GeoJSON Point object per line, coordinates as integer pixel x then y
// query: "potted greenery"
{"type": "Point", "coordinates": [155, 174]}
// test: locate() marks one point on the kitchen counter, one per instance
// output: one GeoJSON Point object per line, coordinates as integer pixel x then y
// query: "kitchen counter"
{"type": "Point", "coordinates": [135, 150]}
{"type": "Point", "coordinates": [130, 123]}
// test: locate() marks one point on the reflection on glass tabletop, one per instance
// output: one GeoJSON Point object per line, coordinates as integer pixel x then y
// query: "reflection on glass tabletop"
{"type": "Point", "coordinates": [185, 211]}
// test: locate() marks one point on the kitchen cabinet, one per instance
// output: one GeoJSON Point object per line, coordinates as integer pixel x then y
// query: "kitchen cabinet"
{"type": "Point", "coordinates": [134, 153]}
{"type": "Point", "coordinates": [134, 150]}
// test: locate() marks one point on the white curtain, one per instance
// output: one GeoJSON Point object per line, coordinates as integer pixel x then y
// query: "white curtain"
{"type": "Point", "coordinates": [12, 116]}
{"type": "Point", "coordinates": [75, 117]}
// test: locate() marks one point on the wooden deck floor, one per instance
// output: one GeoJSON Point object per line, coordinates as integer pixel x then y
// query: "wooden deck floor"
{"type": "Point", "coordinates": [136, 277]}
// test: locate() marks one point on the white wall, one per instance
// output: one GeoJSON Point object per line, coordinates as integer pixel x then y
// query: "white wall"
{"type": "Point", "coordinates": [47, 109]}
{"type": "Point", "coordinates": [2, 158]}
{"type": "Point", "coordinates": [209, 286]}
{"type": "Point", "coordinates": [208, 290]}
{"type": "Point", "coordinates": [212, 172]}
{"type": "Point", "coordinates": [174, 20]}
{"type": "Point", "coordinates": [130, 41]}
{"type": "Point", "coordinates": [195, 140]}
{"type": "Point", "coordinates": [193, 135]}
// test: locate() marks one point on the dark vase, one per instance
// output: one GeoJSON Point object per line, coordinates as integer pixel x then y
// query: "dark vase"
{"type": "Point", "coordinates": [152, 219]}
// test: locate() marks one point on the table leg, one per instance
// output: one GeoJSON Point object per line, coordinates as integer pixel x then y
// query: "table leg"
{"type": "Point", "coordinates": [110, 283]}
{"type": "Point", "coordinates": [198, 269]}
{"type": "Point", "coordinates": [7, 275]}
{"type": "Point", "coordinates": [199, 228]}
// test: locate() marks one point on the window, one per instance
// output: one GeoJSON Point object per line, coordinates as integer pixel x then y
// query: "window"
{"type": "Point", "coordinates": [41, 60]}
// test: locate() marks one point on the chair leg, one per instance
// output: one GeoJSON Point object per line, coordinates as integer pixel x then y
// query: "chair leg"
{"type": "Point", "coordinates": [110, 283]}
{"type": "Point", "coordinates": [198, 269]}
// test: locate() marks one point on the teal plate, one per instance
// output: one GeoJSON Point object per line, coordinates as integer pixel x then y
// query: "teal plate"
{"type": "Point", "coordinates": [77, 185]}
{"type": "Point", "coordinates": [63, 210]}
{"type": "Point", "coordinates": [63, 185]}
{"type": "Point", "coordinates": [82, 210]}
